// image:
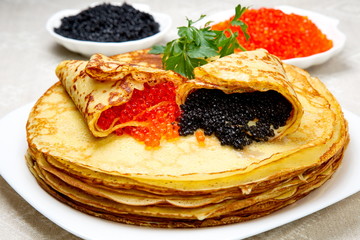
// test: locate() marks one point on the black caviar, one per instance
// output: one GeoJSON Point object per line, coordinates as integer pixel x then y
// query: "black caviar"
{"type": "Point", "coordinates": [236, 119]}
{"type": "Point", "coordinates": [108, 23]}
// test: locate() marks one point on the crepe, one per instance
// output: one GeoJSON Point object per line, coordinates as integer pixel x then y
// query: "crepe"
{"type": "Point", "coordinates": [248, 71]}
{"type": "Point", "coordinates": [183, 183]}
{"type": "Point", "coordinates": [104, 82]}
{"type": "Point", "coordinates": [143, 211]}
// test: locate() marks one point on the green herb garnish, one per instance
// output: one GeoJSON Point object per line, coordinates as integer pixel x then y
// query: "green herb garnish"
{"type": "Point", "coordinates": [195, 46]}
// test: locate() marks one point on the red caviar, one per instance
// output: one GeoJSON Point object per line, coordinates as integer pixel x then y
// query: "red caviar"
{"type": "Point", "coordinates": [284, 35]}
{"type": "Point", "coordinates": [200, 136]}
{"type": "Point", "coordinates": [153, 109]}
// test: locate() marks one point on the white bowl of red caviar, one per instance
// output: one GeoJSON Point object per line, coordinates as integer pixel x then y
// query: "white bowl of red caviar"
{"type": "Point", "coordinates": [327, 25]}
{"type": "Point", "coordinates": [88, 48]}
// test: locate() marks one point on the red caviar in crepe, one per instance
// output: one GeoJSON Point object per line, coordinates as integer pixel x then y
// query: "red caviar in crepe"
{"type": "Point", "coordinates": [115, 96]}
{"type": "Point", "coordinates": [153, 108]}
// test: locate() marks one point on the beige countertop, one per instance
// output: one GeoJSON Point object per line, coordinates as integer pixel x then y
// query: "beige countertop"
{"type": "Point", "coordinates": [29, 56]}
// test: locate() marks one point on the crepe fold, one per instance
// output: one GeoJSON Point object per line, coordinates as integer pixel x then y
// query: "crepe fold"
{"type": "Point", "coordinates": [184, 184]}
{"type": "Point", "coordinates": [103, 82]}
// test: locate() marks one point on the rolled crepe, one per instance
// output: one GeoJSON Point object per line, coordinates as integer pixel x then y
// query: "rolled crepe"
{"type": "Point", "coordinates": [248, 71]}
{"type": "Point", "coordinates": [103, 82]}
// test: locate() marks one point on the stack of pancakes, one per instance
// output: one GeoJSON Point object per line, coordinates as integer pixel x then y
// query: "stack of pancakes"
{"type": "Point", "coordinates": [182, 183]}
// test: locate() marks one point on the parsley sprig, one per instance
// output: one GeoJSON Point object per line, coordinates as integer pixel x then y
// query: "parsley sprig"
{"type": "Point", "coordinates": [195, 46]}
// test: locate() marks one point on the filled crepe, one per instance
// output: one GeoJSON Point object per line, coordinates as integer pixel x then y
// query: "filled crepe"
{"type": "Point", "coordinates": [189, 179]}
{"type": "Point", "coordinates": [261, 78]}
{"type": "Point", "coordinates": [103, 83]}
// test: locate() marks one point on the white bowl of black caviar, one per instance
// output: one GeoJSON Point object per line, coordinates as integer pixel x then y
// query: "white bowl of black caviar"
{"type": "Point", "coordinates": [108, 28]}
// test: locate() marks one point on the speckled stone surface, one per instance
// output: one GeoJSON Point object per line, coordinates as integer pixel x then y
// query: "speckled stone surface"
{"type": "Point", "coordinates": [29, 56]}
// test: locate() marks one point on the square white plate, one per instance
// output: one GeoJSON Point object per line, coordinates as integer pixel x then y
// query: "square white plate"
{"type": "Point", "coordinates": [345, 182]}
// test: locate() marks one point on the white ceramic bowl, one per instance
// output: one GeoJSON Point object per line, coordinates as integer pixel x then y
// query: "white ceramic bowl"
{"type": "Point", "coordinates": [88, 48]}
{"type": "Point", "coordinates": [326, 24]}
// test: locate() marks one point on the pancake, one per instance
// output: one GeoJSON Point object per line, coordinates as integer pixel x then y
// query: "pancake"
{"type": "Point", "coordinates": [248, 71]}
{"type": "Point", "coordinates": [184, 183]}
{"type": "Point", "coordinates": [102, 82]}
{"type": "Point", "coordinates": [230, 211]}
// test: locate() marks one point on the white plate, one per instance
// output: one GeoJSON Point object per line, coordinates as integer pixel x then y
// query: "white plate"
{"type": "Point", "coordinates": [327, 25]}
{"type": "Point", "coordinates": [88, 48]}
{"type": "Point", "coordinates": [345, 182]}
